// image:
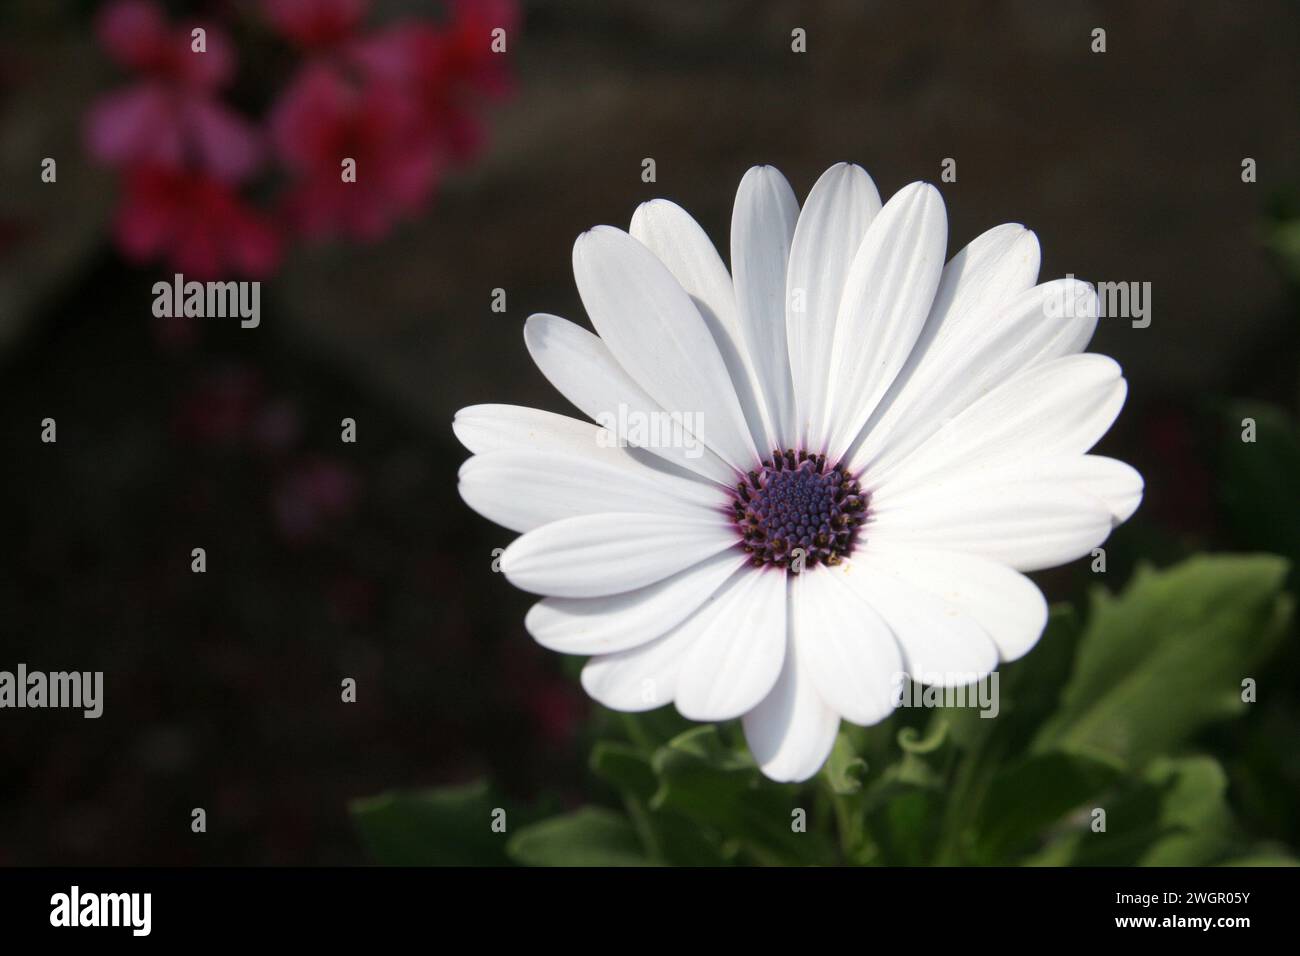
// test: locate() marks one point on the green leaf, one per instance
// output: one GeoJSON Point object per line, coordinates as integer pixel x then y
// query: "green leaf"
{"type": "Point", "coordinates": [1132, 827]}
{"type": "Point", "coordinates": [625, 768]}
{"type": "Point", "coordinates": [719, 787]}
{"type": "Point", "coordinates": [1195, 805]}
{"type": "Point", "coordinates": [844, 769]}
{"type": "Point", "coordinates": [908, 773]}
{"type": "Point", "coordinates": [1167, 656]}
{"type": "Point", "coordinates": [1030, 688]}
{"type": "Point", "coordinates": [902, 807]}
{"type": "Point", "coordinates": [1034, 793]}
{"type": "Point", "coordinates": [448, 826]}
{"type": "Point", "coordinates": [589, 836]}
{"type": "Point", "coordinates": [647, 730]}
{"type": "Point", "coordinates": [678, 841]}
{"type": "Point", "coordinates": [1284, 239]}
{"type": "Point", "coordinates": [908, 826]}
{"type": "Point", "coordinates": [668, 837]}
{"type": "Point", "coordinates": [1173, 814]}
{"type": "Point", "coordinates": [912, 741]}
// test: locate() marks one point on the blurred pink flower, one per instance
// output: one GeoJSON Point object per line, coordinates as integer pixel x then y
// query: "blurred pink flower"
{"type": "Point", "coordinates": [324, 118]}
{"type": "Point", "coordinates": [398, 103]}
{"type": "Point", "coordinates": [466, 59]}
{"type": "Point", "coordinates": [446, 66]}
{"type": "Point", "coordinates": [316, 23]}
{"type": "Point", "coordinates": [198, 223]}
{"type": "Point", "coordinates": [171, 117]}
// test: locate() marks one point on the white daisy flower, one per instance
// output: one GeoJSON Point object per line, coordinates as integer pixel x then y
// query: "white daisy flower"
{"type": "Point", "coordinates": [810, 476]}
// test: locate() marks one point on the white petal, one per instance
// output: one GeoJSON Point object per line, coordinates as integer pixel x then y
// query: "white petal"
{"type": "Point", "coordinates": [941, 645]}
{"type": "Point", "coordinates": [850, 651]}
{"type": "Point", "coordinates": [1116, 485]}
{"type": "Point", "coordinates": [653, 329]}
{"type": "Point", "coordinates": [979, 280]}
{"type": "Point", "coordinates": [762, 225]}
{"type": "Point", "coordinates": [834, 219]}
{"type": "Point", "coordinates": [647, 676]}
{"type": "Point", "coordinates": [887, 296]}
{"type": "Point", "coordinates": [485, 428]}
{"type": "Point", "coordinates": [595, 555]}
{"type": "Point", "coordinates": [644, 677]}
{"type": "Point", "coordinates": [1029, 525]}
{"type": "Point", "coordinates": [604, 625]}
{"type": "Point", "coordinates": [582, 369]}
{"type": "Point", "coordinates": [792, 731]}
{"type": "Point", "coordinates": [522, 490]}
{"type": "Point", "coordinates": [966, 366]}
{"type": "Point", "coordinates": [681, 244]}
{"type": "Point", "coordinates": [1005, 603]}
{"type": "Point", "coordinates": [1119, 486]}
{"type": "Point", "coordinates": [734, 662]}
{"type": "Point", "coordinates": [1058, 408]}
{"type": "Point", "coordinates": [669, 231]}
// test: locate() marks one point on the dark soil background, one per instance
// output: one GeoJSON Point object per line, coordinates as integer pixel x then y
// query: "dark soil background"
{"type": "Point", "coordinates": [328, 560]}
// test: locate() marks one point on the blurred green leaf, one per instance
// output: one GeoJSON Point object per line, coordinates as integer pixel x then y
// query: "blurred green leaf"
{"type": "Point", "coordinates": [589, 836]}
{"type": "Point", "coordinates": [902, 807]}
{"type": "Point", "coordinates": [1284, 239]}
{"type": "Point", "coordinates": [914, 742]}
{"type": "Point", "coordinates": [1195, 805]}
{"type": "Point", "coordinates": [908, 825]}
{"type": "Point", "coordinates": [624, 768]}
{"type": "Point", "coordinates": [649, 729]}
{"type": "Point", "coordinates": [1132, 827]}
{"type": "Point", "coordinates": [719, 787]}
{"type": "Point", "coordinates": [668, 837]}
{"type": "Point", "coordinates": [844, 769]}
{"type": "Point", "coordinates": [1030, 688]}
{"type": "Point", "coordinates": [680, 841]}
{"type": "Point", "coordinates": [448, 826]}
{"type": "Point", "coordinates": [1168, 655]}
{"type": "Point", "coordinates": [1034, 793]}
{"type": "Point", "coordinates": [1173, 814]}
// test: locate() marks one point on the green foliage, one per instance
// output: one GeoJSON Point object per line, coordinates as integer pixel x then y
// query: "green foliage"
{"type": "Point", "coordinates": [1283, 238]}
{"type": "Point", "coordinates": [1032, 794]}
{"type": "Point", "coordinates": [1101, 719]}
{"type": "Point", "coordinates": [1257, 494]}
{"type": "Point", "coordinates": [590, 836]}
{"type": "Point", "coordinates": [1169, 655]}
{"type": "Point", "coordinates": [714, 783]}
{"type": "Point", "coordinates": [444, 827]}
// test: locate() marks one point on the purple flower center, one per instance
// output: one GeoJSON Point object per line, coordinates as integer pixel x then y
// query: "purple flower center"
{"type": "Point", "coordinates": [794, 513]}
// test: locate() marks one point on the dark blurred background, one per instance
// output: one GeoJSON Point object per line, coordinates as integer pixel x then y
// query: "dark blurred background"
{"type": "Point", "coordinates": [329, 560]}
